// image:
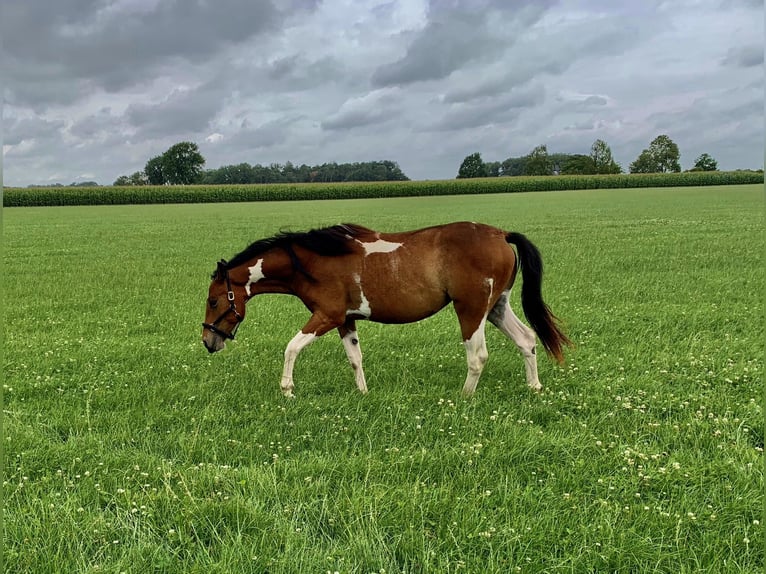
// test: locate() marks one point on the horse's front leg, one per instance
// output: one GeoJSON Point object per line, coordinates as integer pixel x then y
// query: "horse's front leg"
{"type": "Point", "coordinates": [317, 326]}
{"type": "Point", "coordinates": [350, 340]}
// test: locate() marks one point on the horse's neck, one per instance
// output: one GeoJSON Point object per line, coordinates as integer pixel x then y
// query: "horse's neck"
{"type": "Point", "coordinates": [270, 272]}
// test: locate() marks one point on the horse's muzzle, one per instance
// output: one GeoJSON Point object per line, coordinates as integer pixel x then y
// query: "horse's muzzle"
{"type": "Point", "coordinates": [213, 343]}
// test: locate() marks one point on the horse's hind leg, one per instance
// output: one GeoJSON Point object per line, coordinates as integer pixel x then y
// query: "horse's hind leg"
{"type": "Point", "coordinates": [354, 352]}
{"type": "Point", "coordinates": [503, 317]}
{"type": "Point", "coordinates": [472, 324]}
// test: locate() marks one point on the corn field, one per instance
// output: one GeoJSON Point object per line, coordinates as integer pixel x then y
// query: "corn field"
{"type": "Point", "coordinates": [110, 195]}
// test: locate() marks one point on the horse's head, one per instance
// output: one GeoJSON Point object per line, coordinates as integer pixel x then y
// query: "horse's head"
{"type": "Point", "coordinates": [224, 311]}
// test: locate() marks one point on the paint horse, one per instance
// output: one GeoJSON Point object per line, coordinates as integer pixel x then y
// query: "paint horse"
{"type": "Point", "coordinates": [347, 273]}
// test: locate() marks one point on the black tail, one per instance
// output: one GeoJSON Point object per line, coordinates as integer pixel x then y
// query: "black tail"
{"type": "Point", "coordinates": [545, 323]}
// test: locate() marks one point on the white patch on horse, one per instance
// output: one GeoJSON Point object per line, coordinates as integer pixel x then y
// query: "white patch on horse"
{"type": "Point", "coordinates": [379, 246]}
{"type": "Point", "coordinates": [364, 305]}
{"type": "Point", "coordinates": [256, 274]}
{"type": "Point", "coordinates": [489, 282]}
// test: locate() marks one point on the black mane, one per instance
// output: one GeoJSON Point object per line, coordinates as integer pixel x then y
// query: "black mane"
{"type": "Point", "coordinates": [328, 241]}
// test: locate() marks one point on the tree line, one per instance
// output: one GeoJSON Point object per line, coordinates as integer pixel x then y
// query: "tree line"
{"type": "Point", "coordinates": [661, 156]}
{"type": "Point", "coordinates": [182, 164]}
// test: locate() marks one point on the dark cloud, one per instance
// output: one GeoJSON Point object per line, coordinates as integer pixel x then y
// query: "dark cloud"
{"type": "Point", "coordinates": [497, 110]}
{"type": "Point", "coordinates": [458, 33]}
{"type": "Point", "coordinates": [102, 122]}
{"type": "Point", "coordinates": [17, 130]}
{"type": "Point", "coordinates": [442, 48]}
{"type": "Point", "coordinates": [183, 111]}
{"type": "Point", "coordinates": [551, 53]}
{"type": "Point", "coordinates": [112, 45]}
{"type": "Point", "coordinates": [373, 108]}
{"type": "Point", "coordinates": [265, 135]}
{"type": "Point", "coordinates": [744, 56]}
{"type": "Point", "coordinates": [299, 72]}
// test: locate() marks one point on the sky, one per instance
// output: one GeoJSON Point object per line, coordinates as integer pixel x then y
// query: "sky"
{"type": "Point", "coordinates": [94, 88]}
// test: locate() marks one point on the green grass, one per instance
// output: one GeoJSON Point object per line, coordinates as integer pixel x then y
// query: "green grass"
{"type": "Point", "coordinates": [129, 449]}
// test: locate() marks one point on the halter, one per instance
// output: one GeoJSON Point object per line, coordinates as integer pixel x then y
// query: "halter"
{"type": "Point", "coordinates": [232, 308]}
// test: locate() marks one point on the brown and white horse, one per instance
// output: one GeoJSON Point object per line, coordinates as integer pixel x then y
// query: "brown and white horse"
{"type": "Point", "coordinates": [347, 273]}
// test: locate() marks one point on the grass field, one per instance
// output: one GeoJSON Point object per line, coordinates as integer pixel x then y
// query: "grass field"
{"type": "Point", "coordinates": [129, 449]}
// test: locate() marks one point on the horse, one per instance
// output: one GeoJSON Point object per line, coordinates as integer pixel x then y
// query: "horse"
{"type": "Point", "coordinates": [347, 273]}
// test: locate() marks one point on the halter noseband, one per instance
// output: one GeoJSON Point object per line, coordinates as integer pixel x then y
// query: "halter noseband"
{"type": "Point", "coordinates": [232, 308]}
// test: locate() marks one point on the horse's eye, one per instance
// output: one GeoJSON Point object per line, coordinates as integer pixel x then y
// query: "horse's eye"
{"type": "Point", "coordinates": [213, 303]}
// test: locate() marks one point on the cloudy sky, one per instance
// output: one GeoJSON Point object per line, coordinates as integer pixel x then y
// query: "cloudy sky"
{"type": "Point", "coordinates": [94, 88]}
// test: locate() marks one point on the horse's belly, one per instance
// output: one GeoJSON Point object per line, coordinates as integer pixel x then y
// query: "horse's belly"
{"type": "Point", "coordinates": [405, 308]}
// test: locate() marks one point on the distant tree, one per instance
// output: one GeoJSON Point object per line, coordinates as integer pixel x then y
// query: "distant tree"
{"type": "Point", "coordinates": [661, 156]}
{"type": "Point", "coordinates": [154, 171]}
{"type": "Point", "coordinates": [84, 184]}
{"type": "Point", "coordinates": [230, 174]}
{"type": "Point", "coordinates": [289, 173]}
{"type": "Point", "coordinates": [666, 154]}
{"type": "Point", "coordinates": [538, 162]}
{"type": "Point", "coordinates": [513, 166]}
{"type": "Point", "coordinates": [578, 164]}
{"type": "Point", "coordinates": [557, 162]}
{"type": "Point", "coordinates": [705, 163]}
{"type": "Point", "coordinates": [493, 168]}
{"type": "Point", "coordinates": [182, 164]}
{"type": "Point", "coordinates": [644, 163]}
{"type": "Point", "coordinates": [393, 171]}
{"type": "Point", "coordinates": [601, 155]}
{"type": "Point", "coordinates": [136, 178]}
{"type": "Point", "coordinates": [472, 166]}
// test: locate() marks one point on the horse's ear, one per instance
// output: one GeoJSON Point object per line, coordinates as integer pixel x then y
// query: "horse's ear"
{"type": "Point", "coordinates": [220, 271]}
{"type": "Point", "coordinates": [222, 268]}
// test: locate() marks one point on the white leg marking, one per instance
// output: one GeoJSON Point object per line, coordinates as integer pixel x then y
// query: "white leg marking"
{"type": "Point", "coordinates": [503, 317]}
{"type": "Point", "coordinates": [256, 274]}
{"type": "Point", "coordinates": [295, 346]}
{"type": "Point", "coordinates": [354, 354]}
{"type": "Point", "coordinates": [476, 355]}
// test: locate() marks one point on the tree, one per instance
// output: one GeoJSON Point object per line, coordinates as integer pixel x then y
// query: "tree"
{"type": "Point", "coordinates": [666, 154]}
{"type": "Point", "coordinates": [493, 168]}
{"type": "Point", "coordinates": [472, 166]}
{"type": "Point", "coordinates": [601, 155]}
{"type": "Point", "coordinates": [136, 178]}
{"type": "Point", "coordinates": [513, 166]}
{"type": "Point", "coordinates": [84, 184]}
{"type": "Point", "coordinates": [154, 171]}
{"type": "Point", "coordinates": [705, 163]}
{"type": "Point", "coordinates": [661, 156]}
{"type": "Point", "coordinates": [538, 162]}
{"type": "Point", "coordinates": [578, 164]}
{"type": "Point", "coordinates": [182, 164]}
{"type": "Point", "coordinates": [644, 163]}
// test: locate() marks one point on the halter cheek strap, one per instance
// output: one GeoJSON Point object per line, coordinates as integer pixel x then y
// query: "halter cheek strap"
{"type": "Point", "coordinates": [232, 309]}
